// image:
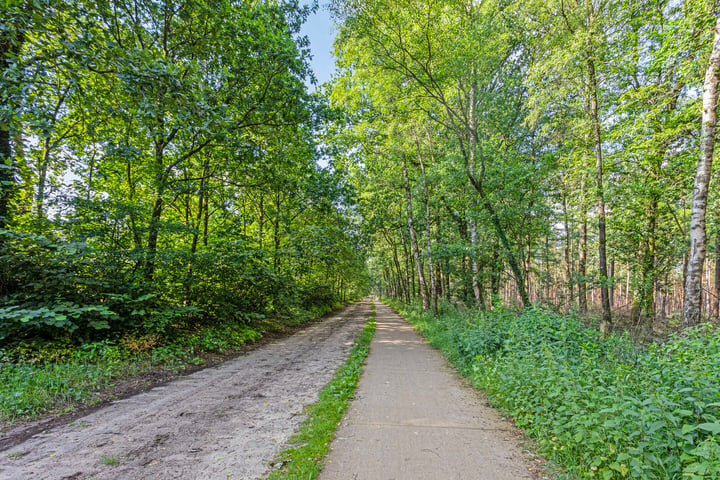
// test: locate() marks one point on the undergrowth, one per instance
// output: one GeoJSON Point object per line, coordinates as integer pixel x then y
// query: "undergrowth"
{"type": "Point", "coordinates": [305, 460]}
{"type": "Point", "coordinates": [603, 408]}
{"type": "Point", "coordinates": [56, 376]}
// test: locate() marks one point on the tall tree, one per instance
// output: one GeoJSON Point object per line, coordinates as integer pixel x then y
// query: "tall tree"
{"type": "Point", "coordinates": [698, 235]}
{"type": "Point", "coordinates": [435, 47]}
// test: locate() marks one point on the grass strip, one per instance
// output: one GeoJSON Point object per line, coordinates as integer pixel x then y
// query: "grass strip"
{"type": "Point", "coordinates": [312, 443]}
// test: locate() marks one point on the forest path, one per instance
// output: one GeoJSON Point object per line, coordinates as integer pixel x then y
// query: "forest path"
{"type": "Point", "coordinates": [413, 418]}
{"type": "Point", "coordinates": [227, 421]}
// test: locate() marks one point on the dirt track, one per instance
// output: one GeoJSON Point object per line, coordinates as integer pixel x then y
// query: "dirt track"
{"type": "Point", "coordinates": [222, 422]}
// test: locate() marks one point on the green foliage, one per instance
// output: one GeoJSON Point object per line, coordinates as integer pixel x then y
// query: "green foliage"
{"type": "Point", "coordinates": [304, 461]}
{"type": "Point", "coordinates": [168, 185]}
{"type": "Point", "coordinates": [603, 408]}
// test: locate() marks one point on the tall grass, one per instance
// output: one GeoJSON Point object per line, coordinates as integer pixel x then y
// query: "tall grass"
{"type": "Point", "coordinates": [56, 377]}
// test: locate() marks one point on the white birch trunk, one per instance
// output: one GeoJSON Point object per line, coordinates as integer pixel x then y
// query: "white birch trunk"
{"type": "Point", "coordinates": [698, 236]}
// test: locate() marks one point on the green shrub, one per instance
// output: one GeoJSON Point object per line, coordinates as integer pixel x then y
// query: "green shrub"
{"type": "Point", "coordinates": [604, 408]}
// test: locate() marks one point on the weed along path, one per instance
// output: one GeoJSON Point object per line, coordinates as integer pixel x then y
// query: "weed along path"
{"type": "Point", "coordinates": [227, 421]}
{"type": "Point", "coordinates": [413, 418]}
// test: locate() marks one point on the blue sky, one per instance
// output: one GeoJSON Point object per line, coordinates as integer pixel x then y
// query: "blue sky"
{"type": "Point", "coordinates": [320, 30]}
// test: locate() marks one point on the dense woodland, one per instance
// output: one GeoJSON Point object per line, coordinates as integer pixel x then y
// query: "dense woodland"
{"type": "Point", "coordinates": [535, 152]}
{"type": "Point", "coordinates": [512, 175]}
{"type": "Point", "coordinates": [159, 170]}
{"type": "Point", "coordinates": [160, 161]}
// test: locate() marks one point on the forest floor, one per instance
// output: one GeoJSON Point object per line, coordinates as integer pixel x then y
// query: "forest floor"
{"type": "Point", "coordinates": [227, 421]}
{"type": "Point", "coordinates": [414, 418]}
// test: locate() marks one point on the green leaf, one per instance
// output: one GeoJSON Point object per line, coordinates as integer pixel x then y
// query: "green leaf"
{"type": "Point", "coordinates": [713, 428]}
{"type": "Point", "coordinates": [688, 428]}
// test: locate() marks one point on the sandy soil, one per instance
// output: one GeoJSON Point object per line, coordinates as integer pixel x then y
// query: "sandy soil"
{"type": "Point", "coordinates": [227, 421]}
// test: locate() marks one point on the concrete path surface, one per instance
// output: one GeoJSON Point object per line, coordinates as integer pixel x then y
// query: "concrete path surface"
{"type": "Point", "coordinates": [413, 418]}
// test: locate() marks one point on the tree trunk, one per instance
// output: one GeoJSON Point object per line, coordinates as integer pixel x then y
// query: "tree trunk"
{"type": "Point", "coordinates": [409, 277]}
{"type": "Point", "coordinates": [153, 234]}
{"type": "Point", "coordinates": [547, 268]}
{"type": "Point", "coordinates": [469, 151]}
{"type": "Point", "coordinates": [606, 321]}
{"type": "Point", "coordinates": [195, 228]}
{"type": "Point", "coordinates": [477, 294]}
{"type": "Point", "coordinates": [261, 221]}
{"type": "Point", "coordinates": [413, 238]}
{"type": "Point", "coordinates": [693, 281]}
{"type": "Point", "coordinates": [647, 292]}
{"type": "Point", "coordinates": [400, 289]}
{"type": "Point", "coordinates": [568, 256]}
{"type": "Point", "coordinates": [612, 287]}
{"type": "Point", "coordinates": [716, 299]}
{"type": "Point", "coordinates": [496, 274]}
{"type": "Point", "coordinates": [154, 226]}
{"type": "Point", "coordinates": [276, 235]}
{"type": "Point", "coordinates": [11, 39]}
{"type": "Point", "coordinates": [527, 274]}
{"type": "Point", "coordinates": [137, 238]}
{"type": "Point", "coordinates": [582, 260]}
{"type": "Point", "coordinates": [206, 219]}
{"type": "Point", "coordinates": [428, 244]}
{"type": "Point", "coordinates": [42, 178]}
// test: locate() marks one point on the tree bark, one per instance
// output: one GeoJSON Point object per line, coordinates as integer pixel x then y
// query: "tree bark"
{"type": "Point", "coordinates": [276, 235]}
{"type": "Point", "coordinates": [401, 288]}
{"type": "Point", "coordinates": [649, 274]}
{"type": "Point", "coordinates": [477, 294]}
{"type": "Point", "coordinates": [568, 257]}
{"type": "Point", "coordinates": [606, 321]}
{"type": "Point", "coordinates": [409, 277]}
{"type": "Point", "coordinates": [496, 275]}
{"type": "Point", "coordinates": [698, 236]}
{"type": "Point", "coordinates": [413, 238]}
{"type": "Point", "coordinates": [716, 299]}
{"type": "Point", "coordinates": [582, 260]}
{"type": "Point", "coordinates": [11, 40]}
{"type": "Point", "coordinates": [428, 244]}
{"type": "Point", "coordinates": [477, 181]}
{"type": "Point", "coordinates": [157, 211]}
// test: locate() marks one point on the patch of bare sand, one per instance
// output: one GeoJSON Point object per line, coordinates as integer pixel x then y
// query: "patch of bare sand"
{"type": "Point", "coordinates": [227, 421]}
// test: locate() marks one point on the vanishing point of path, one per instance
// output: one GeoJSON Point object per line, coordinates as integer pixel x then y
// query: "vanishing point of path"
{"type": "Point", "coordinates": [227, 421]}
{"type": "Point", "coordinates": [413, 418]}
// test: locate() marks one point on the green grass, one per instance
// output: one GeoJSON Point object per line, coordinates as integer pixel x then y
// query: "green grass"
{"type": "Point", "coordinates": [602, 408]}
{"type": "Point", "coordinates": [35, 381]}
{"type": "Point", "coordinates": [305, 460]}
{"type": "Point", "coordinates": [110, 461]}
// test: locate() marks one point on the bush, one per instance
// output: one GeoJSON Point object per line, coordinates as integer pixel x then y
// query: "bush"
{"type": "Point", "coordinates": [604, 408]}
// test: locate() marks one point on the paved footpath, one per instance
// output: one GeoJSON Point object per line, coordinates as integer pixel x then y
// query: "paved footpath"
{"type": "Point", "coordinates": [413, 418]}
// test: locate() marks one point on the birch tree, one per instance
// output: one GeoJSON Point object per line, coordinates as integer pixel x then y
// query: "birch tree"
{"type": "Point", "coordinates": [698, 235]}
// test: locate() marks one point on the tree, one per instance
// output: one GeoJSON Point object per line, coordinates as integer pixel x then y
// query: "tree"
{"type": "Point", "coordinates": [698, 236]}
{"type": "Point", "coordinates": [16, 20]}
{"type": "Point", "coordinates": [463, 65]}
{"type": "Point", "coordinates": [169, 173]}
